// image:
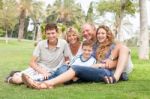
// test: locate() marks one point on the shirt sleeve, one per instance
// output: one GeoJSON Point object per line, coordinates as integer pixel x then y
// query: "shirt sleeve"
{"type": "Point", "coordinates": [67, 51]}
{"type": "Point", "coordinates": [36, 51]}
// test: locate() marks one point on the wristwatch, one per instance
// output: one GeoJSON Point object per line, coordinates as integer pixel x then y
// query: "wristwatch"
{"type": "Point", "coordinates": [113, 58]}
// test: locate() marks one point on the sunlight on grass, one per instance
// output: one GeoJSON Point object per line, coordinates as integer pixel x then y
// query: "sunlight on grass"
{"type": "Point", "coordinates": [16, 55]}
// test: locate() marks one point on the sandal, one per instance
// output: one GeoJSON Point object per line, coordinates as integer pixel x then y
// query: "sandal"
{"type": "Point", "coordinates": [106, 80]}
{"type": "Point", "coordinates": [112, 80]}
{"type": "Point", "coordinates": [34, 84]}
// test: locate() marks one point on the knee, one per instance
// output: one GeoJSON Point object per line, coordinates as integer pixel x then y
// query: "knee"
{"type": "Point", "coordinates": [122, 48]}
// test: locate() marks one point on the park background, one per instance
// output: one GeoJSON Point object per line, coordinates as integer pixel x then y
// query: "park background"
{"type": "Point", "coordinates": [22, 24]}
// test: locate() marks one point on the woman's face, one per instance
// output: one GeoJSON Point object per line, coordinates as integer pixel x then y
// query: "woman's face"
{"type": "Point", "coordinates": [72, 38]}
{"type": "Point", "coordinates": [101, 35]}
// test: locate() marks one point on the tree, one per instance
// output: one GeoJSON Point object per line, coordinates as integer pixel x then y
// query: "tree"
{"type": "Point", "coordinates": [144, 35]}
{"type": "Point", "coordinates": [90, 14]}
{"type": "Point", "coordinates": [24, 8]}
{"type": "Point", "coordinates": [120, 10]}
{"type": "Point", "coordinates": [8, 16]}
{"type": "Point", "coordinates": [67, 13]}
{"type": "Point", "coordinates": [36, 15]}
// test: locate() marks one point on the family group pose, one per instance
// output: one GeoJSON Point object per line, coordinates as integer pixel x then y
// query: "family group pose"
{"type": "Point", "coordinates": [97, 58]}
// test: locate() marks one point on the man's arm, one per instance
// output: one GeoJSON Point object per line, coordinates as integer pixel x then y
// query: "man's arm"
{"type": "Point", "coordinates": [33, 64]}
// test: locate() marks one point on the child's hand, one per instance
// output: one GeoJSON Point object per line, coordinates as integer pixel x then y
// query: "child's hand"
{"type": "Point", "coordinates": [99, 65]}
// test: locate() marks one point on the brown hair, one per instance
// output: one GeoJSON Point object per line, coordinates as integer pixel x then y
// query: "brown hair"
{"type": "Point", "coordinates": [103, 49]}
{"type": "Point", "coordinates": [51, 26]}
{"type": "Point", "coordinates": [72, 30]}
{"type": "Point", "coordinates": [88, 43]}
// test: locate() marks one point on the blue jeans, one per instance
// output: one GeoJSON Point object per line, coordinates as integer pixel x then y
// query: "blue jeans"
{"type": "Point", "coordinates": [90, 74]}
{"type": "Point", "coordinates": [59, 71]}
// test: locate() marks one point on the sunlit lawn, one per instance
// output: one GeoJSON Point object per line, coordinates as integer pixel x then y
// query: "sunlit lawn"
{"type": "Point", "coordinates": [16, 55]}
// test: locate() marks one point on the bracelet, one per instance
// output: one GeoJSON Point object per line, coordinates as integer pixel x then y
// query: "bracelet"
{"type": "Point", "coordinates": [113, 58]}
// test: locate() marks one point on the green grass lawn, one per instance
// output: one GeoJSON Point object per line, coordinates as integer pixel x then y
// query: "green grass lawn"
{"type": "Point", "coordinates": [16, 55]}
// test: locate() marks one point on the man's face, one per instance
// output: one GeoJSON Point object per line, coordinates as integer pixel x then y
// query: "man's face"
{"type": "Point", "coordinates": [51, 35]}
{"type": "Point", "coordinates": [88, 32]}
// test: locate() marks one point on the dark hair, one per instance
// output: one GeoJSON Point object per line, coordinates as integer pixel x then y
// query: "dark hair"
{"type": "Point", "coordinates": [51, 26]}
{"type": "Point", "coordinates": [88, 43]}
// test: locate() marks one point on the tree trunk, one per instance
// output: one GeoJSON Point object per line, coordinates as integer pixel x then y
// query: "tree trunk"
{"type": "Point", "coordinates": [144, 35]}
{"type": "Point", "coordinates": [6, 37]}
{"type": "Point", "coordinates": [39, 35]}
{"type": "Point", "coordinates": [119, 19]}
{"type": "Point", "coordinates": [21, 25]}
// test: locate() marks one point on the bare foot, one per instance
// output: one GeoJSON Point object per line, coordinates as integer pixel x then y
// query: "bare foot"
{"type": "Point", "coordinates": [34, 84]}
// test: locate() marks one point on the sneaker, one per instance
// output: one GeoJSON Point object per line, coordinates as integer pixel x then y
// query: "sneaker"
{"type": "Point", "coordinates": [124, 76]}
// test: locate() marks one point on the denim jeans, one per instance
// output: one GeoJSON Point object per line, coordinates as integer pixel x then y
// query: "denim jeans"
{"type": "Point", "coordinates": [59, 71]}
{"type": "Point", "coordinates": [90, 74]}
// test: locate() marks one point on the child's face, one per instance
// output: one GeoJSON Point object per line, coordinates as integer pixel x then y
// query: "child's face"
{"type": "Point", "coordinates": [87, 51]}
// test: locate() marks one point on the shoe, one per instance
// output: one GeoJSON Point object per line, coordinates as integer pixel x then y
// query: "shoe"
{"type": "Point", "coordinates": [112, 80]}
{"type": "Point", "coordinates": [124, 76]}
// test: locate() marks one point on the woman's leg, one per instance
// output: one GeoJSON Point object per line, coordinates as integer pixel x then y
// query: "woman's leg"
{"type": "Point", "coordinates": [123, 53]}
{"type": "Point", "coordinates": [84, 73]}
{"type": "Point", "coordinates": [66, 76]}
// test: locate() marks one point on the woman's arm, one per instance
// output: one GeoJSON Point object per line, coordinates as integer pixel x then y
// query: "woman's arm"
{"type": "Point", "coordinates": [111, 62]}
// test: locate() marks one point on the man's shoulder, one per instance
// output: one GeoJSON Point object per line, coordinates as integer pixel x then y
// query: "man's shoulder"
{"type": "Point", "coordinates": [62, 40]}
{"type": "Point", "coordinates": [42, 42]}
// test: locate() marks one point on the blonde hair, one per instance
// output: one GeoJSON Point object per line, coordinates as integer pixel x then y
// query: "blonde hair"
{"type": "Point", "coordinates": [72, 30]}
{"type": "Point", "coordinates": [103, 49]}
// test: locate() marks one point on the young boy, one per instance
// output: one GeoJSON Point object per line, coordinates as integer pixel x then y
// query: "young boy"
{"type": "Point", "coordinates": [85, 59]}
{"type": "Point", "coordinates": [48, 56]}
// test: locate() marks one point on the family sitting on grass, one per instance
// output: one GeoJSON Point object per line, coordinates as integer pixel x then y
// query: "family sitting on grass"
{"type": "Point", "coordinates": [57, 61]}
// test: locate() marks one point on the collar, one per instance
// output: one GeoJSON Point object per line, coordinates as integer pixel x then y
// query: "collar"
{"type": "Point", "coordinates": [81, 58]}
{"type": "Point", "coordinates": [57, 46]}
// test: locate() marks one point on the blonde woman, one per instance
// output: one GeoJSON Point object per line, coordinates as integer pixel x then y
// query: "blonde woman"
{"type": "Point", "coordinates": [73, 39]}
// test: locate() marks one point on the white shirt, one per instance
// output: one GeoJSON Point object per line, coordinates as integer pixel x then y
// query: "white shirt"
{"type": "Point", "coordinates": [80, 62]}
